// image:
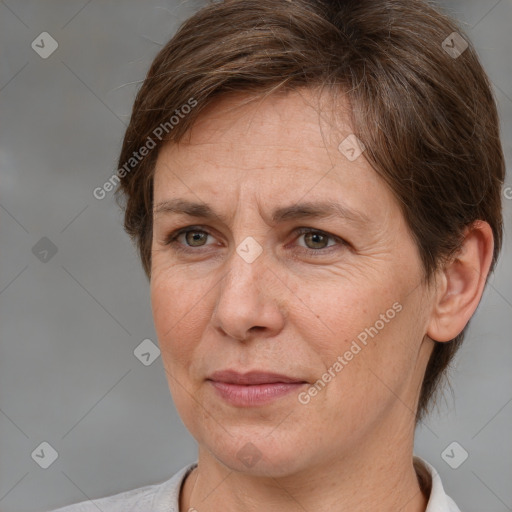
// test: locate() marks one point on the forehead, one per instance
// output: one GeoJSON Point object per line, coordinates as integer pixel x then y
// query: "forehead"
{"type": "Point", "coordinates": [282, 148]}
{"type": "Point", "coordinates": [283, 120]}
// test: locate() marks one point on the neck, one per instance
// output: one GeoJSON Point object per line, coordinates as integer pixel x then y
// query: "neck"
{"type": "Point", "coordinates": [362, 480]}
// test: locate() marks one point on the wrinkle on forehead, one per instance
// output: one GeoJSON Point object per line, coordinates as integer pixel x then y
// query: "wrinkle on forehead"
{"type": "Point", "coordinates": [274, 151]}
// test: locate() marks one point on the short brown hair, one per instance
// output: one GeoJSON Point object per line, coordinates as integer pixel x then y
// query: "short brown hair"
{"type": "Point", "coordinates": [426, 116]}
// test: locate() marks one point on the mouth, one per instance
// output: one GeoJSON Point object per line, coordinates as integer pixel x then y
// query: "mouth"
{"type": "Point", "coordinates": [255, 388]}
{"type": "Point", "coordinates": [252, 378]}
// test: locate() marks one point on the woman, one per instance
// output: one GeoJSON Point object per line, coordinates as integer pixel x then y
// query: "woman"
{"type": "Point", "coordinates": [314, 189]}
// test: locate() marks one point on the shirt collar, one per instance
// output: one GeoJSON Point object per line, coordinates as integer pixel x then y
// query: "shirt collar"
{"type": "Point", "coordinates": [438, 501]}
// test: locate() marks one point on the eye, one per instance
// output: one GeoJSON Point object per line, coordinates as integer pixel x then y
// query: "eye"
{"type": "Point", "coordinates": [193, 237]}
{"type": "Point", "coordinates": [316, 241]}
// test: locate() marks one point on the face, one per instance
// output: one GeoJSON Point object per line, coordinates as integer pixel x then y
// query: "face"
{"type": "Point", "coordinates": [259, 281]}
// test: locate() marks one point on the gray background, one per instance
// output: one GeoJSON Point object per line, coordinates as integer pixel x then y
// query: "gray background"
{"type": "Point", "coordinates": [69, 325]}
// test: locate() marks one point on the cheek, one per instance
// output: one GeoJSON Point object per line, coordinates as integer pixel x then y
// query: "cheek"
{"type": "Point", "coordinates": [177, 315]}
{"type": "Point", "coordinates": [367, 326]}
{"type": "Point", "coordinates": [333, 312]}
{"type": "Point", "coordinates": [379, 362]}
{"type": "Point", "coordinates": [177, 310]}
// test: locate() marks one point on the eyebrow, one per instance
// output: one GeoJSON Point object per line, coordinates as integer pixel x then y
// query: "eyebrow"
{"type": "Point", "coordinates": [301, 210]}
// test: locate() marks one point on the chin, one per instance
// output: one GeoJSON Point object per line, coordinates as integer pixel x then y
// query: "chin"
{"type": "Point", "coordinates": [260, 454]}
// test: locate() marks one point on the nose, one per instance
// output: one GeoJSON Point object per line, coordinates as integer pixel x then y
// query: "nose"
{"type": "Point", "coordinates": [249, 300]}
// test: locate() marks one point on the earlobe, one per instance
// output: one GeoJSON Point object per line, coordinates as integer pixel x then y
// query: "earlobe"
{"type": "Point", "coordinates": [461, 283]}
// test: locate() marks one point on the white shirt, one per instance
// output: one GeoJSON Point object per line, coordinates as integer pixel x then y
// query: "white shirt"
{"type": "Point", "coordinates": [164, 497]}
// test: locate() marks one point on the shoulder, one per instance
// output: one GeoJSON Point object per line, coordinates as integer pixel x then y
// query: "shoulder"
{"type": "Point", "coordinates": [116, 503]}
{"type": "Point", "coordinates": [143, 499]}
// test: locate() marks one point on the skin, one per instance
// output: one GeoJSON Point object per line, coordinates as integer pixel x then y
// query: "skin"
{"type": "Point", "coordinates": [294, 312]}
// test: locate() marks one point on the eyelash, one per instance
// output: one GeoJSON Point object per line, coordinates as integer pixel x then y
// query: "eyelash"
{"type": "Point", "coordinates": [171, 240]}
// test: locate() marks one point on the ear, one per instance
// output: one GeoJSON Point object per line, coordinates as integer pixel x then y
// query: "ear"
{"type": "Point", "coordinates": [461, 283]}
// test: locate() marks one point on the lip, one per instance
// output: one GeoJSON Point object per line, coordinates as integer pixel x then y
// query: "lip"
{"type": "Point", "coordinates": [253, 388]}
{"type": "Point", "coordinates": [252, 377]}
